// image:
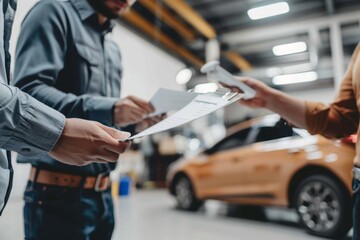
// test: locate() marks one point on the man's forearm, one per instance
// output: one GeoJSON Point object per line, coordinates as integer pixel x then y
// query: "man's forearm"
{"type": "Point", "coordinates": [96, 108]}
{"type": "Point", "coordinates": [27, 126]}
{"type": "Point", "coordinates": [6, 95]}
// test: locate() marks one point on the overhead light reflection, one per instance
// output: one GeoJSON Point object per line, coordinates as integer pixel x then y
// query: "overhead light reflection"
{"type": "Point", "coordinates": [289, 48]}
{"type": "Point", "coordinates": [206, 87]}
{"type": "Point", "coordinates": [268, 10]}
{"type": "Point", "coordinates": [183, 76]}
{"type": "Point", "coordinates": [295, 78]}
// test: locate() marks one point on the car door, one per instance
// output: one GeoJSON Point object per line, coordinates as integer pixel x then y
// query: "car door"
{"type": "Point", "coordinates": [215, 175]}
{"type": "Point", "coordinates": [267, 163]}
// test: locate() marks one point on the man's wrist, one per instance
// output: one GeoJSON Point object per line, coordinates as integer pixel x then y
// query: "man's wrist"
{"type": "Point", "coordinates": [101, 109]}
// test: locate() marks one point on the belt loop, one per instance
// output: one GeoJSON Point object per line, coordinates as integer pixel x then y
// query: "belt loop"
{"type": "Point", "coordinates": [81, 184]}
{"type": "Point", "coordinates": [82, 181]}
{"type": "Point", "coordinates": [37, 171]}
{"type": "Point", "coordinates": [36, 175]}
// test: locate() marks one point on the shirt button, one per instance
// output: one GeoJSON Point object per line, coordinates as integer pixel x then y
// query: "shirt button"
{"type": "Point", "coordinates": [25, 150]}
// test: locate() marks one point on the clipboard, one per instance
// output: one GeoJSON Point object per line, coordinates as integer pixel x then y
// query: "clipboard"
{"type": "Point", "coordinates": [216, 73]}
{"type": "Point", "coordinates": [167, 100]}
{"type": "Point", "coordinates": [222, 92]}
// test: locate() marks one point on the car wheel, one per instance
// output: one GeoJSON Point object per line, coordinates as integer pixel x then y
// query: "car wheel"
{"type": "Point", "coordinates": [324, 206]}
{"type": "Point", "coordinates": [185, 195]}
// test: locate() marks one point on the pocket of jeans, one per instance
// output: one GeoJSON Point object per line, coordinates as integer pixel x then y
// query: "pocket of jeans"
{"type": "Point", "coordinates": [50, 195]}
{"type": "Point", "coordinates": [29, 193]}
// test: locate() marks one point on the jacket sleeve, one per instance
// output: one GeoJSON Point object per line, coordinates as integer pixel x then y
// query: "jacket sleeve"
{"type": "Point", "coordinates": [40, 57]}
{"type": "Point", "coordinates": [340, 118]}
{"type": "Point", "coordinates": [27, 126]}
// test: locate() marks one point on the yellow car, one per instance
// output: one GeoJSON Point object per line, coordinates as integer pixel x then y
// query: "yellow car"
{"type": "Point", "coordinates": [268, 163]}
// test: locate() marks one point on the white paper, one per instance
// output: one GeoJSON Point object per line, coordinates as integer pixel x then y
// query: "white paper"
{"type": "Point", "coordinates": [200, 106]}
{"type": "Point", "coordinates": [166, 100]}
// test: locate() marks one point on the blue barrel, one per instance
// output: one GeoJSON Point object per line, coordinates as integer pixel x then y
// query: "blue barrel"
{"type": "Point", "coordinates": [125, 185]}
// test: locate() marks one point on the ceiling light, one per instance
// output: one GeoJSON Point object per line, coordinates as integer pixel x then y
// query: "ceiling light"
{"type": "Point", "coordinates": [295, 78]}
{"type": "Point", "coordinates": [268, 10]}
{"type": "Point", "coordinates": [206, 87]}
{"type": "Point", "coordinates": [183, 76]}
{"type": "Point", "coordinates": [289, 48]}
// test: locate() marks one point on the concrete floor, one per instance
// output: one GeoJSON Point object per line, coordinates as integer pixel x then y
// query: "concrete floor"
{"type": "Point", "coordinates": [151, 215]}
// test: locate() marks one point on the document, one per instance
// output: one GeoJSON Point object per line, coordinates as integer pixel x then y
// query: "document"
{"type": "Point", "coordinates": [166, 100]}
{"type": "Point", "coordinates": [193, 105]}
{"type": "Point", "coordinates": [201, 105]}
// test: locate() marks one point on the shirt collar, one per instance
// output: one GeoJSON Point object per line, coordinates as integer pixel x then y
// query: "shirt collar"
{"type": "Point", "coordinates": [108, 26]}
{"type": "Point", "coordinates": [83, 8]}
{"type": "Point", "coordinates": [86, 12]}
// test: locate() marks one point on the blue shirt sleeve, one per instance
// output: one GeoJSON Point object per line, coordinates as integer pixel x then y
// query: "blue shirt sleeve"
{"type": "Point", "coordinates": [27, 126]}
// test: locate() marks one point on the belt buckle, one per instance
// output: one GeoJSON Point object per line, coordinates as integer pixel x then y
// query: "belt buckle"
{"type": "Point", "coordinates": [356, 173]}
{"type": "Point", "coordinates": [101, 187]}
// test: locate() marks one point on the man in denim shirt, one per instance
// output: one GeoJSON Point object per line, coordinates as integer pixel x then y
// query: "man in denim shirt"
{"type": "Point", "coordinates": [33, 129]}
{"type": "Point", "coordinates": [65, 59]}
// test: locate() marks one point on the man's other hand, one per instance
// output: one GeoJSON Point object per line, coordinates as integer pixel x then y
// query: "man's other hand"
{"type": "Point", "coordinates": [148, 122]}
{"type": "Point", "coordinates": [131, 110]}
{"type": "Point", "coordinates": [83, 142]}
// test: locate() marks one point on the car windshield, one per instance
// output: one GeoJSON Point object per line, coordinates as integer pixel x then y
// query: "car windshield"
{"type": "Point", "coordinates": [253, 135]}
{"type": "Point", "coordinates": [235, 140]}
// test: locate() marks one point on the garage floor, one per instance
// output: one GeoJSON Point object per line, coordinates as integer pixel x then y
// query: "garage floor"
{"type": "Point", "coordinates": [151, 215]}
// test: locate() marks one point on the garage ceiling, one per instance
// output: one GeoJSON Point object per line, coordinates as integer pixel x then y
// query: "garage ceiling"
{"type": "Point", "coordinates": [183, 27]}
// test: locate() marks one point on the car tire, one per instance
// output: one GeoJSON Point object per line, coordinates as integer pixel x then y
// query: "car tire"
{"type": "Point", "coordinates": [185, 195]}
{"type": "Point", "coordinates": [324, 206]}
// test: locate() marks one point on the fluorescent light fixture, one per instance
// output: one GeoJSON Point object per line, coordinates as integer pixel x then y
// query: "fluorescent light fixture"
{"type": "Point", "coordinates": [183, 76]}
{"type": "Point", "coordinates": [268, 10]}
{"type": "Point", "coordinates": [289, 48]}
{"type": "Point", "coordinates": [295, 78]}
{"type": "Point", "coordinates": [206, 87]}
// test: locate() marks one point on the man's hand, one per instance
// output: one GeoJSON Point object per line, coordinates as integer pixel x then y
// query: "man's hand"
{"type": "Point", "coordinates": [83, 142]}
{"type": "Point", "coordinates": [131, 110]}
{"type": "Point", "coordinates": [148, 122]}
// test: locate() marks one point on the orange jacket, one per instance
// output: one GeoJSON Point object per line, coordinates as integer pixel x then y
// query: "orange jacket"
{"type": "Point", "coordinates": [340, 118]}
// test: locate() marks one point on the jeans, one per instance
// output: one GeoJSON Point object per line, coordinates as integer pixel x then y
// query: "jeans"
{"type": "Point", "coordinates": [55, 213]}
{"type": "Point", "coordinates": [356, 210]}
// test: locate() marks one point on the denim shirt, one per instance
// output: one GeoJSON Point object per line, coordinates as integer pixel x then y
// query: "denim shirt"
{"type": "Point", "coordinates": [26, 125]}
{"type": "Point", "coordinates": [65, 59]}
